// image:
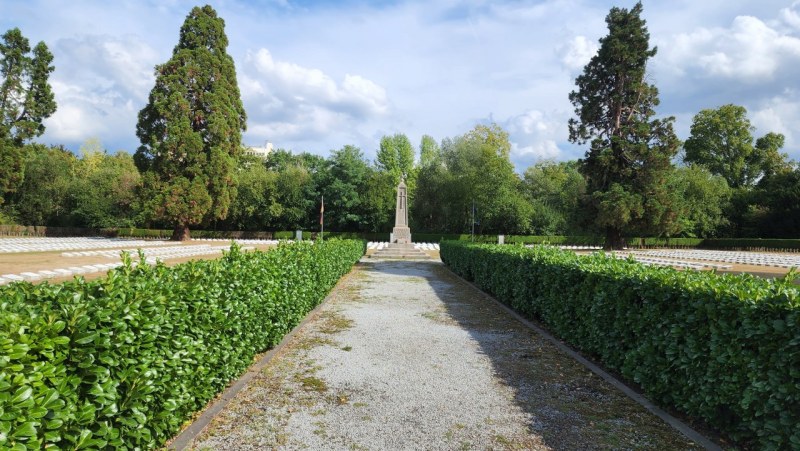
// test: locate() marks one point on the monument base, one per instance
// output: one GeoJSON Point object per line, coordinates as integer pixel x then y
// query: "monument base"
{"type": "Point", "coordinates": [401, 235]}
{"type": "Point", "coordinates": [400, 251]}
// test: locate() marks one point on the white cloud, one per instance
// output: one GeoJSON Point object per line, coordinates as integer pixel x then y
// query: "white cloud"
{"type": "Point", "coordinates": [576, 53]}
{"type": "Point", "coordinates": [100, 83]}
{"type": "Point", "coordinates": [748, 51]}
{"type": "Point", "coordinates": [791, 15]}
{"type": "Point", "coordinates": [288, 81]}
{"type": "Point", "coordinates": [414, 67]}
{"type": "Point", "coordinates": [286, 101]}
{"type": "Point", "coordinates": [779, 114]}
{"type": "Point", "coordinates": [534, 135]}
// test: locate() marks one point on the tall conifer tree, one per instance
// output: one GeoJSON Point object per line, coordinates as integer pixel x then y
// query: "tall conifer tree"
{"type": "Point", "coordinates": [26, 99]}
{"type": "Point", "coordinates": [191, 128]}
{"type": "Point", "coordinates": [628, 162]}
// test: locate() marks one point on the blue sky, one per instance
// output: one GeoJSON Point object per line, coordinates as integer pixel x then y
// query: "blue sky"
{"type": "Point", "coordinates": [315, 76]}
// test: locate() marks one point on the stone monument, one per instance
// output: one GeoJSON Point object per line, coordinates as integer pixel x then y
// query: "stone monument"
{"type": "Point", "coordinates": [400, 245]}
{"type": "Point", "coordinates": [401, 234]}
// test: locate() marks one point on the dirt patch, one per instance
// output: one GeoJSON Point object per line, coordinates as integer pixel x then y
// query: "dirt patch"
{"type": "Point", "coordinates": [16, 263]}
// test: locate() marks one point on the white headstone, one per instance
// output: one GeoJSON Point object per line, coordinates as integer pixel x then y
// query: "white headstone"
{"type": "Point", "coordinates": [298, 235]}
{"type": "Point", "coordinates": [501, 239]}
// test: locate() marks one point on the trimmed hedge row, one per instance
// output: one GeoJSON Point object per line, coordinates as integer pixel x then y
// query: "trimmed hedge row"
{"type": "Point", "coordinates": [123, 361]}
{"type": "Point", "coordinates": [719, 347]}
{"type": "Point", "coordinates": [750, 243]}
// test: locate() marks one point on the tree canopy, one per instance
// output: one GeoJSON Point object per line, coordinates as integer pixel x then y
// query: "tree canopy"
{"type": "Point", "coordinates": [26, 99]}
{"type": "Point", "coordinates": [628, 161]}
{"type": "Point", "coordinates": [191, 128]}
{"type": "Point", "coordinates": [396, 155]}
{"type": "Point", "coordinates": [721, 140]}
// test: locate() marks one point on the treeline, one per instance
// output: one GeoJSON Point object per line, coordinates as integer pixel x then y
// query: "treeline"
{"type": "Point", "coordinates": [636, 179]}
{"type": "Point", "coordinates": [452, 183]}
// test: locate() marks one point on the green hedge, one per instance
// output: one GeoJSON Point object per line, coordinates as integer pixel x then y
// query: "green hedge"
{"type": "Point", "coordinates": [124, 361]}
{"type": "Point", "coordinates": [719, 347]}
{"type": "Point", "coordinates": [750, 243]}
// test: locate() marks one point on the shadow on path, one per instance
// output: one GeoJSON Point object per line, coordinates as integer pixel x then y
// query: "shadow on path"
{"type": "Point", "coordinates": [569, 406]}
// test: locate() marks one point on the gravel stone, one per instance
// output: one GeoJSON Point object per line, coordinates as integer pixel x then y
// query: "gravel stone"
{"type": "Point", "coordinates": [405, 355]}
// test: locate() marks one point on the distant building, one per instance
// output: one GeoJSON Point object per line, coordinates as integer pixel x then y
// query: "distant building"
{"type": "Point", "coordinates": [260, 152]}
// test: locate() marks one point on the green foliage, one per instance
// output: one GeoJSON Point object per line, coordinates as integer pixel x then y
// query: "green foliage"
{"type": "Point", "coordinates": [719, 347]}
{"type": "Point", "coordinates": [555, 190]}
{"type": "Point", "coordinates": [474, 169]}
{"type": "Point", "coordinates": [629, 157]}
{"type": "Point", "coordinates": [191, 128]}
{"type": "Point", "coordinates": [43, 196]}
{"type": "Point", "coordinates": [296, 198]}
{"type": "Point", "coordinates": [357, 198]}
{"type": "Point", "coordinates": [703, 199]}
{"type": "Point", "coordinates": [751, 244]}
{"type": "Point", "coordinates": [779, 196]}
{"type": "Point", "coordinates": [103, 192]}
{"type": "Point", "coordinates": [429, 151]}
{"type": "Point", "coordinates": [123, 361]}
{"type": "Point", "coordinates": [396, 156]}
{"type": "Point", "coordinates": [722, 141]}
{"type": "Point", "coordinates": [26, 99]}
{"type": "Point", "coordinates": [256, 206]}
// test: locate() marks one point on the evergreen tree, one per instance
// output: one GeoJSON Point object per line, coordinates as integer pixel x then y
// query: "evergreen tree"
{"type": "Point", "coordinates": [26, 99]}
{"type": "Point", "coordinates": [628, 162]}
{"type": "Point", "coordinates": [191, 128]}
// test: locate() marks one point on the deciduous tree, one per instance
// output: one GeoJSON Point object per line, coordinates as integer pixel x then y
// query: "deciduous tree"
{"type": "Point", "coordinates": [628, 161]}
{"type": "Point", "coordinates": [429, 151]}
{"type": "Point", "coordinates": [555, 190]}
{"type": "Point", "coordinates": [704, 199]}
{"type": "Point", "coordinates": [344, 187]}
{"type": "Point", "coordinates": [43, 196]}
{"type": "Point", "coordinates": [396, 157]}
{"type": "Point", "coordinates": [103, 192]}
{"type": "Point", "coordinates": [191, 128]}
{"type": "Point", "coordinates": [721, 140]}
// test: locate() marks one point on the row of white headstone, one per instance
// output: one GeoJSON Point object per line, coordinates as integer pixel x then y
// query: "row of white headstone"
{"type": "Point", "coordinates": [238, 240]}
{"type": "Point", "coordinates": [675, 263]}
{"type": "Point", "coordinates": [50, 244]}
{"type": "Point", "coordinates": [152, 256]}
{"type": "Point", "coordinates": [166, 251]}
{"type": "Point", "coordinates": [378, 245]}
{"type": "Point", "coordinates": [61, 272]}
{"type": "Point", "coordinates": [741, 258]}
{"type": "Point", "coordinates": [45, 244]}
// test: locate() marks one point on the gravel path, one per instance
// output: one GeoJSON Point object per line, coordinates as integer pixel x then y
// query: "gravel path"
{"type": "Point", "coordinates": [407, 356]}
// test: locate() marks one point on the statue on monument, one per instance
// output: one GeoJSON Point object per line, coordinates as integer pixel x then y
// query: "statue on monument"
{"type": "Point", "coordinates": [401, 233]}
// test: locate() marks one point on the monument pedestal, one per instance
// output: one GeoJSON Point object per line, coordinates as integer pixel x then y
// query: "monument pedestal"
{"type": "Point", "coordinates": [404, 251]}
{"type": "Point", "coordinates": [401, 235]}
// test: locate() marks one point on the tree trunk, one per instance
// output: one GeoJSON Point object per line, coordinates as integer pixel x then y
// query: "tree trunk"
{"type": "Point", "coordinates": [180, 233]}
{"type": "Point", "coordinates": [614, 239]}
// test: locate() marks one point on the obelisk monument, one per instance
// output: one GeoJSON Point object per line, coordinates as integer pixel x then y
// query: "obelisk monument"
{"type": "Point", "coordinates": [401, 233]}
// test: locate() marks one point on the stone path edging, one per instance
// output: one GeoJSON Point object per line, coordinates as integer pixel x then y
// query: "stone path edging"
{"type": "Point", "coordinates": [188, 435]}
{"type": "Point", "coordinates": [682, 427]}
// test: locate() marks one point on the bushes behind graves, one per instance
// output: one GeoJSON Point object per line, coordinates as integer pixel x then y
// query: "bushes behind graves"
{"type": "Point", "coordinates": [719, 347]}
{"type": "Point", "coordinates": [122, 362]}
